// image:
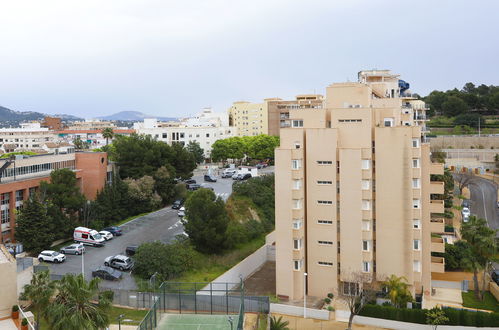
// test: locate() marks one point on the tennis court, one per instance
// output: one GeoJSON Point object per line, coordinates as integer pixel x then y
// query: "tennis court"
{"type": "Point", "coordinates": [197, 322]}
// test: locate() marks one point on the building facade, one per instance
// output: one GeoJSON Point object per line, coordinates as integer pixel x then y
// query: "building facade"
{"type": "Point", "coordinates": [8, 284]}
{"type": "Point", "coordinates": [20, 178]}
{"type": "Point", "coordinates": [205, 128]}
{"type": "Point", "coordinates": [30, 136]}
{"type": "Point", "coordinates": [250, 119]}
{"type": "Point", "coordinates": [353, 191]}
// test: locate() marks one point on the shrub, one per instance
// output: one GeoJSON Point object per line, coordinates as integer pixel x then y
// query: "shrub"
{"type": "Point", "coordinates": [327, 301]}
{"type": "Point", "coordinates": [330, 308]}
{"type": "Point", "coordinates": [330, 295]}
{"type": "Point", "coordinates": [15, 308]}
{"type": "Point", "coordinates": [24, 322]}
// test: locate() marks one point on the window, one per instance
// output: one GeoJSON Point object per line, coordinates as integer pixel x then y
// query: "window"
{"type": "Point", "coordinates": [297, 264]}
{"type": "Point", "coordinates": [324, 162]}
{"type": "Point", "coordinates": [366, 225]}
{"type": "Point", "coordinates": [297, 224]}
{"type": "Point", "coordinates": [165, 135]}
{"type": "Point", "coordinates": [416, 203]}
{"type": "Point", "coordinates": [415, 183]}
{"type": "Point", "coordinates": [366, 164]}
{"type": "Point", "coordinates": [349, 120]}
{"type": "Point", "coordinates": [207, 134]}
{"type": "Point", "coordinates": [366, 266]}
{"type": "Point", "coordinates": [388, 122]}
{"type": "Point", "coordinates": [416, 265]}
{"type": "Point", "coordinates": [325, 202]}
{"type": "Point", "coordinates": [325, 242]}
{"type": "Point", "coordinates": [365, 245]}
{"type": "Point", "coordinates": [297, 244]}
{"type": "Point", "coordinates": [296, 164]}
{"type": "Point", "coordinates": [325, 263]}
{"type": "Point", "coordinates": [5, 198]}
{"type": "Point", "coordinates": [415, 143]}
{"type": "Point", "coordinates": [325, 222]}
{"type": "Point", "coordinates": [297, 145]}
{"type": "Point", "coordinates": [296, 204]}
{"type": "Point", "coordinates": [416, 224]}
{"type": "Point", "coordinates": [366, 184]}
{"type": "Point", "coordinates": [297, 123]}
{"type": "Point", "coordinates": [416, 244]}
{"type": "Point", "coordinates": [296, 184]}
{"type": "Point", "coordinates": [415, 163]}
{"type": "Point", "coordinates": [366, 205]}
{"type": "Point", "coordinates": [324, 182]}
{"type": "Point", "coordinates": [350, 288]}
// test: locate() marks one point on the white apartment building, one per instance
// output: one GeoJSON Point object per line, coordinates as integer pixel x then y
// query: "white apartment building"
{"type": "Point", "coordinates": [205, 128]}
{"type": "Point", "coordinates": [30, 136]}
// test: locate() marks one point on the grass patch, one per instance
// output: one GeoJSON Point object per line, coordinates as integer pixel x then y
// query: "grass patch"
{"type": "Point", "coordinates": [242, 209]}
{"type": "Point", "coordinates": [208, 267]}
{"type": "Point", "coordinates": [135, 315]}
{"type": "Point", "coordinates": [131, 218]}
{"type": "Point", "coordinates": [262, 321]}
{"type": "Point", "coordinates": [489, 301]}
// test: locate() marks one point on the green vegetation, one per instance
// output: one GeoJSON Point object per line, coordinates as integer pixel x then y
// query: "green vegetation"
{"type": "Point", "coordinates": [398, 291]}
{"type": "Point", "coordinates": [255, 147]}
{"type": "Point", "coordinates": [195, 149]}
{"type": "Point", "coordinates": [435, 317]}
{"type": "Point", "coordinates": [262, 321]}
{"type": "Point", "coordinates": [489, 302]}
{"type": "Point", "coordinates": [34, 228]}
{"type": "Point", "coordinates": [26, 153]}
{"type": "Point", "coordinates": [278, 323]}
{"type": "Point", "coordinates": [135, 315]}
{"type": "Point", "coordinates": [448, 181]}
{"type": "Point", "coordinates": [107, 133]}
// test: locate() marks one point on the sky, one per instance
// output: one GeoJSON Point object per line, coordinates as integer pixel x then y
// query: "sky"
{"type": "Point", "coordinates": [172, 58]}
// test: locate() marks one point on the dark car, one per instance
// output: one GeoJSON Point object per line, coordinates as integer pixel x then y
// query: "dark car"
{"type": "Point", "coordinates": [116, 231]}
{"type": "Point", "coordinates": [130, 250]}
{"type": "Point", "coordinates": [190, 181]}
{"type": "Point", "coordinates": [107, 273]}
{"type": "Point", "coordinates": [245, 177]}
{"type": "Point", "coordinates": [210, 178]}
{"type": "Point", "coordinates": [495, 276]}
{"type": "Point", "coordinates": [466, 203]}
{"type": "Point", "coordinates": [177, 204]}
{"type": "Point", "coordinates": [193, 186]}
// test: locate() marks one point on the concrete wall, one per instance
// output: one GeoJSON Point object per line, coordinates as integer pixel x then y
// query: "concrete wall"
{"type": "Point", "coordinates": [319, 314]}
{"type": "Point", "coordinates": [494, 289]}
{"type": "Point", "coordinates": [464, 141]}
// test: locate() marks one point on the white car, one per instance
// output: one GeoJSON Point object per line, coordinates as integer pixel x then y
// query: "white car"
{"type": "Point", "coordinates": [181, 212]}
{"type": "Point", "coordinates": [107, 235]}
{"type": "Point", "coordinates": [52, 256]}
{"type": "Point", "coordinates": [466, 212]}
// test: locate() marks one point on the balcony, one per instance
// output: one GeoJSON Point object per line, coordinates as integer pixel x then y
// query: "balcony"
{"type": "Point", "coordinates": [437, 226]}
{"type": "Point", "coordinates": [437, 245]}
{"type": "Point", "coordinates": [437, 265]}
{"type": "Point", "coordinates": [437, 206]}
{"type": "Point", "coordinates": [437, 168]}
{"type": "Point", "coordinates": [436, 187]}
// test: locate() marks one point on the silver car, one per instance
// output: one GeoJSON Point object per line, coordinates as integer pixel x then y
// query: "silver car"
{"type": "Point", "coordinates": [73, 249]}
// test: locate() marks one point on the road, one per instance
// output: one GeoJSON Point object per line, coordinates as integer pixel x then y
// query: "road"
{"type": "Point", "coordinates": [484, 202]}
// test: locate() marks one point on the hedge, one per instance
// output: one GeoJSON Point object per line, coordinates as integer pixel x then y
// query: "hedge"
{"type": "Point", "coordinates": [456, 316]}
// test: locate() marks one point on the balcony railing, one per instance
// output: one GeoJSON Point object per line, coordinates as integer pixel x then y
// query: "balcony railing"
{"type": "Point", "coordinates": [437, 264]}
{"type": "Point", "coordinates": [437, 206]}
{"type": "Point", "coordinates": [436, 187]}
{"type": "Point", "coordinates": [437, 226]}
{"type": "Point", "coordinates": [437, 245]}
{"type": "Point", "coordinates": [437, 168]}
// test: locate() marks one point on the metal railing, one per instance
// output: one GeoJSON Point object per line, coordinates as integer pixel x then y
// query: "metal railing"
{"type": "Point", "coordinates": [24, 316]}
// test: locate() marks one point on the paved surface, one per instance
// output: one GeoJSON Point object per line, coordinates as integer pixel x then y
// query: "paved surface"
{"type": "Point", "coordinates": [484, 202]}
{"type": "Point", "coordinates": [162, 225]}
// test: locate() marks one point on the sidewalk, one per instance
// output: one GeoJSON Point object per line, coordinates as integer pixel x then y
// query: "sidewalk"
{"type": "Point", "coordinates": [299, 323]}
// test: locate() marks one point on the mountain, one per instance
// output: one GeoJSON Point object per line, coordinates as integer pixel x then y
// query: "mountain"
{"type": "Point", "coordinates": [133, 116]}
{"type": "Point", "coordinates": [7, 115]}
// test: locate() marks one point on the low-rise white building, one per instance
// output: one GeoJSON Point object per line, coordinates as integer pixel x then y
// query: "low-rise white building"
{"type": "Point", "coordinates": [30, 136]}
{"type": "Point", "coordinates": [205, 128]}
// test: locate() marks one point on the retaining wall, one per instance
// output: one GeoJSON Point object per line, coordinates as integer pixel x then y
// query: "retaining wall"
{"type": "Point", "coordinates": [318, 314]}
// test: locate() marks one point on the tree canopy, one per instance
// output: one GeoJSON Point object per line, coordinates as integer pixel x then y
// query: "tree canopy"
{"type": "Point", "coordinates": [34, 227]}
{"type": "Point", "coordinates": [256, 147]}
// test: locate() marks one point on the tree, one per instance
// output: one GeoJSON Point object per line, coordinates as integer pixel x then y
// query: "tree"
{"type": "Point", "coordinates": [206, 221]}
{"type": "Point", "coordinates": [194, 148]}
{"type": "Point", "coordinates": [483, 246]}
{"type": "Point", "coordinates": [107, 133]}
{"type": "Point", "coordinates": [63, 191]}
{"type": "Point", "coordinates": [263, 146]}
{"type": "Point", "coordinates": [164, 184]}
{"type": "Point", "coordinates": [33, 226]}
{"type": "Point", "coordinates": [80, 144]}
{"type": "Point", "coordinates": [469, 119]}
{"type": "Point", "coordinates": [230, 148]}
{"type": "Point", "coordinates": [278, 323]}
{"type": "Point", "coordinates": [435, 317]}
{"type": "Point", "coordinates": [456, 255]}
{"type": "Point", "coordinates": [463, 180]}
{"type": "Point", "coordinates": [112, 203]}
{"type": "Point", "coordinates": [167, 260]}
{"type": "Point", "coordinates": [39, 292]}
{"type": "Point", "coordinates": [74, 308]}
{"type": "Point", "coordinates": [142, 196]}
{"type": "Point", "coordinates": [454, 106]}
{"type": "Point", "coordinates": [356, 291]}
{"type": "Point", "coordinates": [398, 291]}
{"type": "Point", "coordinates": [183, 161]}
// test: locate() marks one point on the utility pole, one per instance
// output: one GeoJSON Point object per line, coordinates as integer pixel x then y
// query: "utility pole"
{"type": "Point", "coordinates": [478, 126]}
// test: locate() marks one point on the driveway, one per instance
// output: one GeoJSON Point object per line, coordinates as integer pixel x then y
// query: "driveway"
{"type": "Point", "coordinates": [162, 225]}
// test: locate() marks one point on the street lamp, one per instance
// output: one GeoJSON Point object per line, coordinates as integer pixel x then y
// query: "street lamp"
{"type": "Point", "coordinates": [120, 317]}
{"type": "Point", "coordinates": [305, 295]}
{"type": "Point", "coordinates": [231, 321]}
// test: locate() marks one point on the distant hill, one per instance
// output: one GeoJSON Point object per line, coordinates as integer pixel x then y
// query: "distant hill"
{"type": "Point", "coordinates": [8, 115]}
{"type": "Point", "coordinates": [133, 116]}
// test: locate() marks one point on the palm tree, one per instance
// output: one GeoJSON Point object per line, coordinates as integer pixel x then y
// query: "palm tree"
{"type": "Point", "coordinates": [483, 248]}
{"type": "Point", "coordinates": [39, 292]}
{"type": "Point", "coordinates": [398, 290]}
{"type": "Point", "coordinates": [107, 133]}
{"type": "Point", "coordinates": [74, 308]}
{"type": "Point", "coordinates": [278, 323]}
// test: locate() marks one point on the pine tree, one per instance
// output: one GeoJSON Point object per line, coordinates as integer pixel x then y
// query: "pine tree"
{"type": "Point", "coordinates": [34, 228]}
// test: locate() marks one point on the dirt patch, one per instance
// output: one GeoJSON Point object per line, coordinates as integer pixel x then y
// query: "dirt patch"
{"type": "Point", "coordinates": [262, 282]}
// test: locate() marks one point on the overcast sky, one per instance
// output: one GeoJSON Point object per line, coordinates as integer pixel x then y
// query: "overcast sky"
{"type": "Point", "coordinates": [172, 58]}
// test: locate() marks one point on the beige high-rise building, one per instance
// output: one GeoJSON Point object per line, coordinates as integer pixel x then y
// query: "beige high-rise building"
{"type": "Point", "coordinates": [353, 190]}
{"type": "Point", "coordinates": [250, 119]}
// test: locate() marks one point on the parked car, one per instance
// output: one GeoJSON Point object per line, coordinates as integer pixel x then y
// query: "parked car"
{"type": "Point", "coordinates": [119, 261]}
{"type": "Point", "coordinates": [466, 212]}
{"type": "Point", "coordinates": [177, 204]}
{"type": "Point", "coordinates": [116, 231]}
{"type": "Point", "coordinates": [52, 256]}
{"type": "Point", "coordinates": [76, 248]}
{"type": "Point", "coordinates": [210, 178]}
{"type": "Point", "coordinates": [193, 186]}
{"type": "Point", "coordinates": [107, 235]}
{"type": "Point", "coordinates": [466, 203]}
{"type": "Point", "coordinates": [181, 212]}
{"type": "Point", "coordinates": [495, 276]}
{"type": "Point", "coordinates": [190, 181]}
{"type": "Point", "coordinates": [228, 173]}
{"type": "Point", "coordinates": [261, 165]}
{"type": "Point", "coordinates": [245, 176]}
{"type": "Point", "coordinates": [107, 273]}
{"type": "Point", "coordinates": [236, 176]}
{"type": "Point", "coordinates": [130, 250]}
{"type": "Point", "coordinates": [88, 236]}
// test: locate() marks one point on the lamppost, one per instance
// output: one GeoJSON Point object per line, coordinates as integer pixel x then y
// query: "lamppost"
{"type": "Point", "coordinates": [305, 295]}
{"type": "Point", "coordinates": [120, 317]}
{"type": "Point", "coordinates": [231, 321]}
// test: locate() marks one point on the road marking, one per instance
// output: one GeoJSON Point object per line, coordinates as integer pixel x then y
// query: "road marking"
{"type": "Point", "coordinates": [483, 201]}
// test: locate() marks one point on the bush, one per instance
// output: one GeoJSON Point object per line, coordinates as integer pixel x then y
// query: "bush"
{"type": "Point", "coordinates": [330, 295]}
{"type": "Point", "coordinates": [24, 322]}
{"type": "Point", "coordinates": [330, 308]}
{"type": "Point", "coordinates": [327, 301]}
{"type": "Point", "coordinates": [15, 308]}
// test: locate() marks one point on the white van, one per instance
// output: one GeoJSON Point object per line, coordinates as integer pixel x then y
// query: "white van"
{"type": "Point", "coordinates": [88, 236]}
